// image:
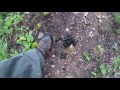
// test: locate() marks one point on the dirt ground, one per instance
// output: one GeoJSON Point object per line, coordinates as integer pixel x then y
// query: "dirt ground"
{"type": "Point", "coordinates": [89, 29]}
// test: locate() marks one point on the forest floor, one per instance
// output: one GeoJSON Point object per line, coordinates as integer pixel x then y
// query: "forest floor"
{"type": "Point", "coordinates": [94, 45]}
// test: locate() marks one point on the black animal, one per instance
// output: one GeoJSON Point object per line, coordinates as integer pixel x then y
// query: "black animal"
{"type": "Point", "coordinates": [68, 41]}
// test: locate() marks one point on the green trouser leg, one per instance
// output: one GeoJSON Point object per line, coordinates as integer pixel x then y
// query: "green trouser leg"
{"type": "Point", "coordinates": [24, 65]}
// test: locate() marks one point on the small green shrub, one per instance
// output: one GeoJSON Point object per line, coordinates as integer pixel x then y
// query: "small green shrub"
{"type": "Point", "coordinates": [3, 50]}
{"type": "Point", "coordinates": [102, 69]}
{"type": "Point", "coordinates": [87, 56]}
{"type": "Point", "coordinates": [117, 31]}
{"type": "Point", "coordinates": [45, 13]}
{"type": "Point", "coordinates": [27, 41]}
{"type": "Point", "coordinates": [117, 17]}
{"type": "Point", "coordinates": [7, 23]}
{"type": "Point", "coordinates": [38, 26]}
{"type": "Point", "coordinates": [94, 75]}
{"type": "Point", "coordinates": [101, 49]}
{"type": "Point", "coordinates": [116, 63]}
{"type": "Point", "coordinates": [97, 58]}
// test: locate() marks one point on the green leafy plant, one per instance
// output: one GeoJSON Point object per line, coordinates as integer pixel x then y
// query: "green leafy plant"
{"type": "Point", "coordinates": [109, 68]}
{"type": "Point", "coordinates": [7, 23]}
{"type": "Point", "coordinates": [45, 13]}
{"type": "Point", "coordinates": [112, 69]}
{"type": "Point", "coordinates": [102, 69]}
{"type": "Point", "coordinates": [3, 50]}
{"type": "Point", "coordinates": [34, 44]}
{"type": "Point", "coordinates": [100, 48]}
{"type": "Point", "coordinates": [117, 20]}
{"type": "Point", "coordinates": [26, 44]}
{"type": "Point", "coordinates": [97, 58]}
{"type": "Point", "coordinates": [30, 37]}
{"type": "Point", "coordinates": [94, 75]}
{"type": "Point", "coordinates": [117, 17]}
{"type": "Point", "coordinates": [116, 63]}
{"type": "Point", "coordinates": [13, 52]}
{"type": "Point", "coordinates": [10, 20]}
{"type": "Point", "coordinates": [38, 26]}
{"type": "Point", "coordinates": [87, 56]}
{"type": "Point", "coordinates": [1, 17]}
{"type": "Point", "coordinates": [27, 41]}
{"type": "Point", "coordinates": [117, 31]}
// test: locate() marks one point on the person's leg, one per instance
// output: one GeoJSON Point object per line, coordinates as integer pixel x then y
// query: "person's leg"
{"type": "Point", "coordinates": [28, 64]}
{"type": "Point", "coordinates": [24, 65]}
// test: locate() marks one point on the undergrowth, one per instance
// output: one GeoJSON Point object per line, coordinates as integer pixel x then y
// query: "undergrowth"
{"type": "Point", "coordinates": [113, 69]}
{"type": "Point", "coordinates": [8, 23]}
{"type": "Point", "coordinates": [14, 37]}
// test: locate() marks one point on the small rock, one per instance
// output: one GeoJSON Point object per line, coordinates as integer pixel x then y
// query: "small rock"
{"type": "Point", "coordinates": [105, 17]}
{"type": "Point", "coordinates": [53, 55]}
{"type": "Point", "coordinates": [76, 12]}
{"type": "Point", "coordinates": [69, 76]}
{"type": "Point", "coordinates": [49, 74]}
{"type": "Point", "coordinates": [85, 14]}
{"type": "Point", "coordinates": [26, 12]}
{"type": "Point", "coordinates": [67, 29]}
{"type": "Point", "coordinates": [71, 46]}
{"type": "Point", "coordinates": [91, 34]}
{"type": "Point", "coordinates": [74, 52]}
{"type": "Point", "coordinates": [40, 35]}
{"type": "Point", "coordinates": [52, 66]}
{"type": "Point", "coordinates": [93, 28]}
{"type": "Point", "coordinates": [100, 20]}
{"type": "Point", "coordinates": [98, 16]}
{"type": "Point", "coordinates": [57, 71]}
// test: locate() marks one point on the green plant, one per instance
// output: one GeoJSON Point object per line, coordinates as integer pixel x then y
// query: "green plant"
{"type": "Point", "coordinates": [117, 31]}
{"type": "Point", "coordinates": [117, 20]}
{"type": "Point", "coordinates": [105, 27]}
{"type": "Point", "coordinates": [34, 44]}
{"type": "Point", "coordinates": [117, 17]}
{"type": "Point", "coordinates": [11, 20]}
{"type": "Point", "coordinates": [97, 58]}
{"type": "Point", "coordinates": [8, 22]}
{"type": "Point", "coordinates": [45, 13]}
{"type": "Point", "coordinates": [102, 69]}
{"type": "Point", "coordinates": [116, 63]}
{"type": "Point", "coordinates": [94, 75]}
{"type": "Point", "coordinates": [30, 37]}
{"type": "Point", "coordinates": [106, 71]}
{"type": "Point", "coordinates": [114, 68]}
{"type": "Point", "coordinates": [109, 68]}
{"type": "Point", "coordinates": [13, 52]}
{"type": "Point", "coordinates": [87, 56]}
{"type": "Point", "coordinates": [27, 41]}
{"type": "Point", "coordinates": [3, 50]}
{"type": "Point", "coordinates": [101, 49]}
{"type": "Point", "coordinates": [1, 17]}
{"type": "Point", "coordinates": [38, 26]}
